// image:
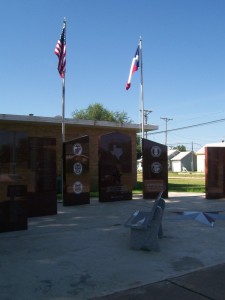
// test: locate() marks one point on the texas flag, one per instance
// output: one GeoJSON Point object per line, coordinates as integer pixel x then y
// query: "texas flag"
{"type": "Point", "coordinates": [134, 67]}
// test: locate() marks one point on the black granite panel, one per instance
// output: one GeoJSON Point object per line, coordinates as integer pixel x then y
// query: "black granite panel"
{"type": "Point", "coordinates": [76, 172]}
{"type": "Point", "coordinates": [13, 180]}
{"type": "Point", "coordinates": [215, 172]}
{"type": "Point", "coordinates": [42, 198]}
{"type": "Point", "coordinates": [115, 167]}
{"type": "Point", "coordinates": [155, 169]}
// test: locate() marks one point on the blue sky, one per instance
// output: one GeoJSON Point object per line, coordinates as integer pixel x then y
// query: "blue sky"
{"type": "Point", "coordinates": [183, 61]}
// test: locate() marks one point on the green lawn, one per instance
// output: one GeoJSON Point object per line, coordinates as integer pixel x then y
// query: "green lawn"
{"type": "Point", "coordinates": [190, 182]}
{"type": "Point", "coordinates": [177, 182]}
{"type": "Point", "coordinates": [181, 182]}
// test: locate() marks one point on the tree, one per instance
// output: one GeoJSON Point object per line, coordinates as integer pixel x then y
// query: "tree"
{"type": "Point", "coordinates": [138, 147]}
{"type": "Point", "coordinates": [97, 112]}
{"type": "Point", "coordinates": [181, 148]}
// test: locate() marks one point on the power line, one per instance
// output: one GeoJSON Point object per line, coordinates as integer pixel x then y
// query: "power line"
{"type": "Point", "coordinates": [190, 126]}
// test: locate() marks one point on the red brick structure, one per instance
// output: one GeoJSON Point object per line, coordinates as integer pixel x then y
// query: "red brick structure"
{"type": "Point", "coordinates": [36, 126]}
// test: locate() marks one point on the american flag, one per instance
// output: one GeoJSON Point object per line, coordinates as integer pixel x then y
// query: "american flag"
{"type": "Point", "coordinates": [60, 51]}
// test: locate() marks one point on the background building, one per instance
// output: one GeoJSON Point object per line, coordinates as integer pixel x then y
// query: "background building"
{"type": "Point", "coordinates": [51, 127]}
{"type": "Point", "coordinates": [184, 161]}
{"type": "Point", "coordinates": [201, 155]}
{"type": "Point", "coordinates": [171, 154]}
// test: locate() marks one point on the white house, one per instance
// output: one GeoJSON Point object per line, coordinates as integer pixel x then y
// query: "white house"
{"type": "Point", "coordinates": [184, 161]}
{"type": "Point", "coordinates": [201, 155]}
{"type": "Point", "coordinates": [171, 153]}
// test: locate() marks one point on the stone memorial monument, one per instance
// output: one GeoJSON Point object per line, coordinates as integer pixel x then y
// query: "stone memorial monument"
{"type": "Point", "coordinates": [13, 184]}
{"type": "Point", "coordinates": [215, 172]}
{"type": "Point", "coordinates": [41, 176]}
{"type": "Point", "coordinates": [76, 172]}
{"type": "Point", "coordinates": [155, 169]}
{"type": "Point", "coordinates": [115, 167]}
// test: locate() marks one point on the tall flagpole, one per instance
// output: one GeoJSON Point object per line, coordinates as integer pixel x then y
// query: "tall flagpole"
{"type": "Point", "coordinates": [63, 105]}
{"type": "Point", "coordinates": [136, 63]}
{"type": "Point", "coordinates": [63, 109]}
{"type": "Point", "coordinates": [63, 132]}
{"type": "Point", "coordinates": [63, 86]}
{"type": "Point", "coordinates": [142, 90]}
{"type": "Point", "coordinates": [60, 51]}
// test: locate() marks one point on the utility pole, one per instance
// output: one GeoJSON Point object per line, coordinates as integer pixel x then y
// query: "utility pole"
{"type": "Point", "coordinates": [166, 120]}
{"type": "Point", "coordinates": [145, 114]}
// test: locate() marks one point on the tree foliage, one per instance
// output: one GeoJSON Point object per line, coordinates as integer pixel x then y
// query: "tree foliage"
{"type": "Point", "coordinates": [138, 146]}
{"type": "Point", "coordinates": [97, 112]}
{"type": "Point", "coordinates": [181, 148]}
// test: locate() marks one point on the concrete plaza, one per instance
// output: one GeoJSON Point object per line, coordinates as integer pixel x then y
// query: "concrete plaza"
{"type": "Point", "coordinates": [83, 253]}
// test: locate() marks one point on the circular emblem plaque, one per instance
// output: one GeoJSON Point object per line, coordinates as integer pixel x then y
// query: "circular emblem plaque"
{"type": "Point", "coordinates": [156, 151]}
{"type": "Point", "coordinates": [156, 167]}
{"type": "Point", "coordinates": [77, 168]}
{"type": "Point", "coordinates": [77, 149]}
{"type": "Point", "coordinates": [77, 187]}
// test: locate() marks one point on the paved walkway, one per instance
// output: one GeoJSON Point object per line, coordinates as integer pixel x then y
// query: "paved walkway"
{"type": "Point", "coordinates": [83, 253]}
{"type": "Point", "coordinates": [207, 283]}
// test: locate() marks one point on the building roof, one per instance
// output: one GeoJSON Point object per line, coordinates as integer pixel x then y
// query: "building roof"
{"type": "Point", "coordinates": [181, 155]}
{"type": "Point", "coordinates": [172, 152]}
{"type": "Point", "coordinates": [202, 150]}
{"type": "Point", "coordinates": [71, 121]}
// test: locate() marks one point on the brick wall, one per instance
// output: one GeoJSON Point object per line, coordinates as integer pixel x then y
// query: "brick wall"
{"type": "Point", "coordinates": [38, 129]}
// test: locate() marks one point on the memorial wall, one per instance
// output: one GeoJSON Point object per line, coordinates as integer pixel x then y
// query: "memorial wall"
{"type": "Point", "coordinates": [76, 172]}
{"type": "Point", "coordinates": [27, 178]}
{"type": "Point", "coordinates": [155, 169]}
{"type": "Point", "coordinates": [115, 167]}
{"type": "Point", "coordinates": [41, 192]}
{"type": "Point", "coordinates": [215, 172]}
{"type": "Point", "coordinates": [13, 180]}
